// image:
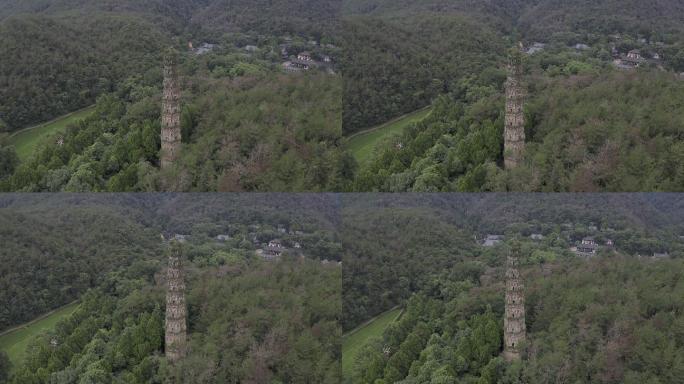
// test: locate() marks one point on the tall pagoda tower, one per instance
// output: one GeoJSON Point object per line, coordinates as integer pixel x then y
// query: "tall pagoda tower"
{"type": "Point", "coordinates": [171, 110]}
{"type": "Point", "coordinates": [514, 130]}
{"type": "Point", "coordinates": [175, 337]}
{"type": "Point", "coordinates": [514, 320]}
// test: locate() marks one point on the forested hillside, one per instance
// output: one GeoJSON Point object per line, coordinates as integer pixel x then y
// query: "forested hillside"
{"type": "Point", "coordinates": [245, 127]}
{"type": "Point", "coordinates": [611, 317]}
{"type": "Point", "coordinates": [249, 125]}
{"type": "Point", "coordinates": [615, 320]}
{"type": "Point", "coordinates": [56, 247]}
{"type": "Point", "coordinates": [396, 64]}
{"type": "Point", "coordinates": [45, 264]}
{"type": "Point", "coordinates": [543, 18]}
{"type": "Point", "coordinates": [250, 320]}
{"type": "Point", "coordinates": [595, 130]}
{"type": "Point", "coordinates": [55, 65]}
{"type": "Point", "coordinates": [60, 55]}
{"type": "Point", "coordinates": [415, 236]}
{"type": "Point", "coordinates": [289, 143]}
{"type": "Point", "coordinates": [504, 12]}
{"type": "Point", "coordinates": [383, 35]}
{"type": "Point", "coordinates": [659, 18]}
{"type": "Point", "coordinates": [268, 322]}
{"type": "Point", "coordinates": [271, 16]}
{"type": "Point", "coordinates": [214, 15]}
{"type": "Point", "coordinates": [174, 9]}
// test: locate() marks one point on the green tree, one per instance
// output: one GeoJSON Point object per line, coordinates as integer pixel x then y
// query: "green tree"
{"type": "Point", "coordinates": [8, 161]}
{"type": "Point", "coordinates": [5, 367]}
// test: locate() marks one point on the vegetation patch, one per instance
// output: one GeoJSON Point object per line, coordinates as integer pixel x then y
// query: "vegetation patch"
{"type": "Point", "coordinates": [27, 140]}
{"type": "Point", "coordinates": [14, 342]}
{"type": "Point", "coordinates": [354, 340]}
{"type": "Point", "coordinates": [362, 144]}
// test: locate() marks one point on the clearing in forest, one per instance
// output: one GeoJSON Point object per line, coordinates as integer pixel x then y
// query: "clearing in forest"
{"type": "Point", "coordinates": [14, 342]}
{"type": "Point", "coordinates": [26, 140]}
{"type": "Point", "coordinates": [363, 143]}
{"type": "Point", "coordinates": [354, 340]}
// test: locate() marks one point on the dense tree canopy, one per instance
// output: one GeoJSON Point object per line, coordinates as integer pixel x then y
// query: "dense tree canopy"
{"type": "Point", "coordinates": [276, 133]}
{"type": "Point", "coordinates": [605, 131]}
{"type": "Point", "coordinates": [613, 317]}
{"type": "Point", "coordinates": [403, 56]}
{"type": "Point", "coordinates": [249, 320]}
{"type": "Point", "coordinates": [46, 265]}
{"type": "Point", "coordinates": [245, 127]}
{"type": "Point", "coordinates": [60, 55]}
{"type": "Point", "coordinates": [396, 66]}
{"type": "Point", "coordinates": [56, 65]}
{"type": "Point", "coordinates": [57, 247]}
{"type": "Point", "coordinates": [414, 238]}
{"type": "Point", "coordinates": [215, 15]}
{"type": "Point", "coordinates": [273, 322]}
{"type": "Point", "coordinates": [604, 320]}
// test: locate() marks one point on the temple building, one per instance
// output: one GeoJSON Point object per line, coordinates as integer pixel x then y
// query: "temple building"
{"type": "Point", "coordinates": [587, 247]}
{"type": "Point", "coordinates": [305, 56]}
{"type": "Point", "coordinates": [273, 250]}
{"type": "Point", "coordinates": [492, 240]}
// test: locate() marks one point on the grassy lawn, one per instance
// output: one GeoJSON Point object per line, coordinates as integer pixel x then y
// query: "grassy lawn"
{"type": "Point", "coordinates": [353, 341]}
{"type": "Point", "coordinates": [14, 343]}
{"type": "Point", "coordinates": [26, 140]}
{"type": "Point", "coordinates": [363, 144]}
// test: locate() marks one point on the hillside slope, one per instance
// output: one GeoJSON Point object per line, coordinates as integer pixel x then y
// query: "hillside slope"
{"type": "Point", "coordinates": [56, 247]}
{"type": "Point", "coordinates": [416, 237]}
{"type": "Point", "coordinates": [54, 65]}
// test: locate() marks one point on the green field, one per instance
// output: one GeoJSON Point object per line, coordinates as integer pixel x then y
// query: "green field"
{"type": "Point", "coordinates": [14, 342]}
{"type": "Point", "coordinates": [26, 140]}
{"type": "Point", "coordinates": [353, 341]}
{"type": "Point", "coordinates": [363, 143]}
